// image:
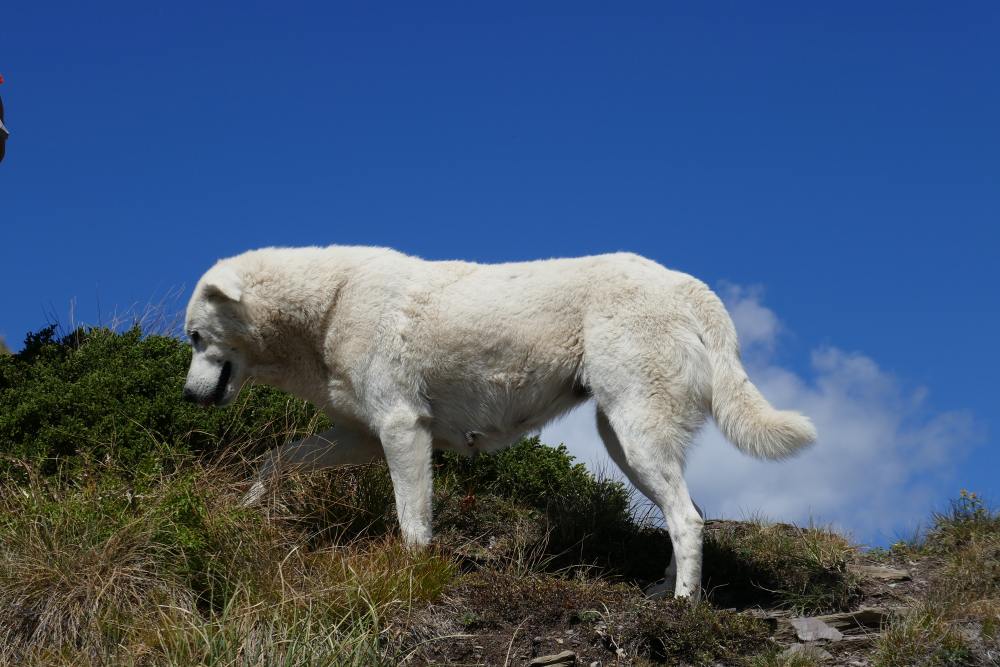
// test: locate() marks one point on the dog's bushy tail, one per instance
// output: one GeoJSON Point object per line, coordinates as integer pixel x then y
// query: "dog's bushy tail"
{"type": "Point", "coordinates": [744, 416]}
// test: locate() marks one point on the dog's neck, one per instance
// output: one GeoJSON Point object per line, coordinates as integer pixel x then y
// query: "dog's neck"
{"type": "Point", "coordinates": [292, 347]}
{"type": "Point", "coordinates": [288, 347]}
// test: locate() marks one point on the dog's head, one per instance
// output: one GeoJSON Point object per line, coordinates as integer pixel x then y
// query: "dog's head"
{"type": "Point", "coordinates": [220, 338]}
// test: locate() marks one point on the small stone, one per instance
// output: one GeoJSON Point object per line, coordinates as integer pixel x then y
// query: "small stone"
{"type": "Point", "coordinates": [536, 640]}
{"type": "Point", "coordinates": [559, 641]}
{"type": "Point", "coordinates": [596, 663]}
{"type": "Point", "coordinates": [813, 629]}
{"type": "Point", "coordinates": [563, 659]}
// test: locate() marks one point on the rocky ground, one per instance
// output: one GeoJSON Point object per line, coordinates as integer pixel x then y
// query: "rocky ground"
{"type": "Point", "coordinates": [533, 618]}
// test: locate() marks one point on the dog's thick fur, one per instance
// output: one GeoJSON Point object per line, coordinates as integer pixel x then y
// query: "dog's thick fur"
{"type": "Point", "coordinates": [407, 355]}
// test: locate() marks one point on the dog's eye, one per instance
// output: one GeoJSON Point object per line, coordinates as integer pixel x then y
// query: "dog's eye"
{"type": "Point", "coordinates": [195, 337]}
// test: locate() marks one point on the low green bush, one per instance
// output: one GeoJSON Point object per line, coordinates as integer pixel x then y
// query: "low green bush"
{"type": "Point", "coordinates": [530, 471]}
{"type": "Point", "coordinates": [588, 521]}
{"type": "Point", "coordinates": [103, 395]}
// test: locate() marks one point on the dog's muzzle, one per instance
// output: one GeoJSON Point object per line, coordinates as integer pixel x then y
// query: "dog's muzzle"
{"type": "Point", "coordinates": [218, 394]}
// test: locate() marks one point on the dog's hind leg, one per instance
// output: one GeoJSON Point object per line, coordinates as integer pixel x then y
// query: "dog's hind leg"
{"type": "Point", "coordinates": [617, 454]}
{"type": "Point", "coordinates": [652, 459]}
{"type": "Point", "coordinates": [341, 445]}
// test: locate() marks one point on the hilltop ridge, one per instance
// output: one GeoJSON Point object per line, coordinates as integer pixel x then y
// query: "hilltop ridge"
{"type": "Point", "coordinates": [124, 542]}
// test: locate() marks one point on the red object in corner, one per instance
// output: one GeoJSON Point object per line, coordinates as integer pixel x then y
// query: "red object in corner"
{"type": "Point", "coordinates": [1, 78]}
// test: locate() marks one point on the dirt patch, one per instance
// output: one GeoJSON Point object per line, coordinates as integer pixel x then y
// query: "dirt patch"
{"type": "Point", "coordinates": [500, 619]}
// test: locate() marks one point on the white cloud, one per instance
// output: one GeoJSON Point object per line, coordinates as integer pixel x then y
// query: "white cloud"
{"type": "Point", "coordinates": [883, 461]}
{"type": "Point", "coordinates": [758, 326]}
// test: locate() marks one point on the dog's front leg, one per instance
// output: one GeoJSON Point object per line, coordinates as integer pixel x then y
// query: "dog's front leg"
{"type": "Point", "coordinates": [341, 445]}
{"type": "Point", "coordinates": [406, 441]}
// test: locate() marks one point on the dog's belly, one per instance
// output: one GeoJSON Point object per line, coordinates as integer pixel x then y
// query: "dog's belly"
{"type": "Point", "coordinates": [495, 416]}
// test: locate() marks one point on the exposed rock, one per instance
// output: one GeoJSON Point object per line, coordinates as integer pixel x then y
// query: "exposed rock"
{"type": "Point", "coordinates": [864, 620]}
{"type": "Point", "coordinates": [833, 627]}
{"type": "Point", "coordinates": [810, 629]}
{"type": "Point", "coordinates": [555, 660]}
{"type": "Point", "coordinates": [880, 572]}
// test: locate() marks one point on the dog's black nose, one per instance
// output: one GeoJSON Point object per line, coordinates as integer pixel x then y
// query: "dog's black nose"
{"type": "Point", "coordinates": [189, 396]}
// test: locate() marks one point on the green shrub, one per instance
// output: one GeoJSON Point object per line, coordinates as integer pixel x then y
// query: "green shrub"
{"type": "Point", "coordinates": [529, 471]}
{"type": "Point", "coordinates": [103, 395]}
{"type": "Point", "coordinates": [588, 521]}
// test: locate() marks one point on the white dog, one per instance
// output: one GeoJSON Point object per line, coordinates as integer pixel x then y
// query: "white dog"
{"type": "Point", "coordinates": [407, 355]}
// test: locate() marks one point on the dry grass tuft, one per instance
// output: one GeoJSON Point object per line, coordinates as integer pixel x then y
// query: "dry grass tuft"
{"type": "Point", "coordinates": [923, 636]}
{"type": "Point", "coordinates": [759, 563]}
{"type": "Point", "coordinates": [776, 657]}
{"type": "Point", "coordinates": [179, 573]}
{"type": "Point", "coordinates": [957, 620]}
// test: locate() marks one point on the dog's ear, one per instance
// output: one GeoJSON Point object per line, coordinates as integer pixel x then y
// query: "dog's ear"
{"type": "Point", "coordinates": [224, 282]}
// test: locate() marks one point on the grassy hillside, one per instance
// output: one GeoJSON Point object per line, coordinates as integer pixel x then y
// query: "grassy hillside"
{"type": "Point", "coordinates": [122, 541]}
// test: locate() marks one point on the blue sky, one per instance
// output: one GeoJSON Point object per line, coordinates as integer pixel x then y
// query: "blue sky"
{"type": "Point", "coordinates": [834, 166]}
